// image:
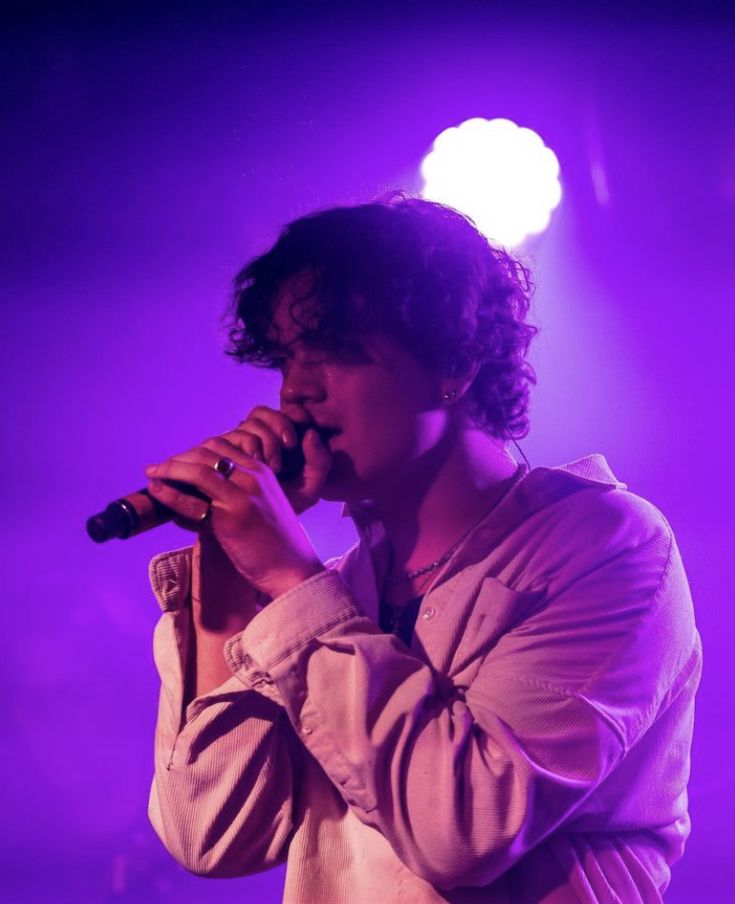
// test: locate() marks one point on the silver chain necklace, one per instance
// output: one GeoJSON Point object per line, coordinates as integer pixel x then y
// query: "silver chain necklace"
{"type": "Point", "coordinates": [401, 578]}
{"type": "Point", "coordinates": [414, 574]}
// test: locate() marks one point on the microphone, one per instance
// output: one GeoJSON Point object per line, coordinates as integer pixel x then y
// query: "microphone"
{"type": "Point", "coordinates": [139, 511]}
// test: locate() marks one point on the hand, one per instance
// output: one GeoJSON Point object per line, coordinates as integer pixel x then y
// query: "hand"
{"type": "Point", "coordinates": [266, 432]}
{"type": "Point", "coordinates": [251, 517]}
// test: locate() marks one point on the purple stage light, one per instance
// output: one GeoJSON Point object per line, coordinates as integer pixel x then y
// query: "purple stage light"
{"type": "Point", "coordinates": [501, 175]}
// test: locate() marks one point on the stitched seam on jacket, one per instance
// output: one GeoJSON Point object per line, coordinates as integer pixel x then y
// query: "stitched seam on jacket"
{"type": "Point", "coordinates": [644, 617]}
{"type": "Point", "coordinates": [581, 691]}
{"type": "Point", "coordinates": [641, 718]}
{"type": "Point", "coordinates": [564, 694]}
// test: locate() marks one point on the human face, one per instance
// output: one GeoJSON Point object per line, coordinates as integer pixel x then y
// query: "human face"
{"type": "Point", "coordinates": [385, 404]}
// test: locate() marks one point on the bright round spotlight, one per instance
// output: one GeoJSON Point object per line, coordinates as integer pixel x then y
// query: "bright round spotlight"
{"type": "Point", "coordinates": [501, 175]}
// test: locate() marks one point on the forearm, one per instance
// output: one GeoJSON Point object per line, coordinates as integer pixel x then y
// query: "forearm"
{"type": "Point", "coordinates": [222, 604]}
{"type": "Point", "coordinates": [206, 805]}
{"type": "Point", "coordinates": [206, 666]}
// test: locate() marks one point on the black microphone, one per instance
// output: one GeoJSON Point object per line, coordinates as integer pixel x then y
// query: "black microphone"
{"type": "Point", "coordinates": [139, 511]}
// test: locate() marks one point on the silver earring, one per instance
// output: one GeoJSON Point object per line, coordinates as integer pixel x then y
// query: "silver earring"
{"type": "Point", "coordinates": [450, 395]}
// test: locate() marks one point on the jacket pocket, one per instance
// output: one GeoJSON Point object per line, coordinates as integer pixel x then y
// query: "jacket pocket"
{"type": "Point", "coordinates": [496, 610]}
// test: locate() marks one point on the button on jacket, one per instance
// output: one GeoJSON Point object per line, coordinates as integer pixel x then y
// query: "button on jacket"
{"type": "Point", "coordinates": [532, 745]}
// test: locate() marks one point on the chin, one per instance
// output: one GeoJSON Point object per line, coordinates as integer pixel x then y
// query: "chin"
{"type": "Point", "coordinates": [337, 491]}
{"type": "Point", "coordinates": [342, 484]}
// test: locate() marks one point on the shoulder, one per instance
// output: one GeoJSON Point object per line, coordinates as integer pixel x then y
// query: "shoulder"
{"type": "Point", "coordinates": [587, 512]}
{"type": "Point", "coordinates": [615, 619]}
{"type": "Point", "coordinates": [585, 532]}
{"type": "Point", "coordinates": [614, 517]}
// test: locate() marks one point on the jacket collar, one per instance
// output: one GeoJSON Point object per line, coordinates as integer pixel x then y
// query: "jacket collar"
{"type": "Point", "coordinates": [591, 469]}
{"type": "Point", "coordinates": [535, 489]}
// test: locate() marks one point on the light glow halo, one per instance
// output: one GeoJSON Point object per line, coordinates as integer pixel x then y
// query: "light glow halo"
{"type": "Point", "coordinates": [498, 173]}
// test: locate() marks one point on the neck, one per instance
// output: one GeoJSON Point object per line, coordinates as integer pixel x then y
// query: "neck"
{"type": "Point", "coordinates": [439, 497]}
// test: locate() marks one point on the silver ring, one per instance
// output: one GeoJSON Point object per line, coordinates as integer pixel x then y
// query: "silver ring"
{"type": "Point", "coordinates": [205, 517]}
{"type": "Point", "coordinates": [225, 467]}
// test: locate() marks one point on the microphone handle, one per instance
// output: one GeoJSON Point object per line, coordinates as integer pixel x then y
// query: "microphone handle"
{"type": "Point", "coordinates": [139, 511]}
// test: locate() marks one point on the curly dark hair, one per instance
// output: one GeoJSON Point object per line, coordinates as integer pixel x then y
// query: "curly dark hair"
{"type": "Point", "coordinates": [414, 269]}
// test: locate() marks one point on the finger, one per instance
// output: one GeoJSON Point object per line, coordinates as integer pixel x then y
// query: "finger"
{"type": "Point", "coordinates": [249, 443]}
{"type": "Point", "coordinates": [208, 454]}
{"type": "Point", "coordinates": [202, 476]}
{"type": "Point", "coordinates": [256, 441]}
{"type": "Point", "coordinates": [271, 443]}
{"type": "Point", "coordinates": [188, 508]}
{"type": "Point", "coordinates": [318, 462]}
{"type": "Point", "coordinates": [294, 411]}
{"type": "Point", "coordinates": [197, 525]}
{"type": "Point", "coordinates": [222, 447]}
{"type": "Point", "coordinates": [280, 423]}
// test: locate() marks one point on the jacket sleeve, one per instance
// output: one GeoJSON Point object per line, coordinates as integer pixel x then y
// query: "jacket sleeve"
{"type": "Point", "coordinates": [462, 781]}
{"type": "Point", "coordinates": [224, 786]}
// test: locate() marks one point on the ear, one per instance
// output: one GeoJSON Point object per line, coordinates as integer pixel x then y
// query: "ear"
{"type": "Point", "coordinates": [454, 388]}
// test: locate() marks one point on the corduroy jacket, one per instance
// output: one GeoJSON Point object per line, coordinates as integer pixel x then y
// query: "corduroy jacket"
{"type": "Point", "coordinates": [532, 745]}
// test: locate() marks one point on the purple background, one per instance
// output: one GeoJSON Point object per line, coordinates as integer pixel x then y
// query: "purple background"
{"type": "Point", "coordinates": [145, 159]}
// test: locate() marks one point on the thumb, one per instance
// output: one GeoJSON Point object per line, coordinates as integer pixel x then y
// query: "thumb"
{"type": "Point", "coordinates": [317, 462]}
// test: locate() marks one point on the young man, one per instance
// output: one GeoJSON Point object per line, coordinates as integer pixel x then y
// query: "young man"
{"type": "Point", "coordinates": [490, 697]}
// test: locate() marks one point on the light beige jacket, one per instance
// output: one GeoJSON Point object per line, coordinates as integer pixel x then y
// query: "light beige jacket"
{"type": "Point", "coordinates": [531, 746]}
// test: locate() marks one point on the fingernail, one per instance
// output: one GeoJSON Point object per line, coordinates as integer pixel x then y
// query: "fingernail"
{"type": "Point", "coordinates": [286, 437]}
{"type": "Point", "coordinates": [151, 469]}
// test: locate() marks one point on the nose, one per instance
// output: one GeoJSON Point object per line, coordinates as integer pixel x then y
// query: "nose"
{"type": "Point", "coordinates": [302, 384]}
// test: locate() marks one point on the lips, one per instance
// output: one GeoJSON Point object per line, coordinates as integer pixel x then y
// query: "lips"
{"type": "Point", "coordinates": [326, 433]}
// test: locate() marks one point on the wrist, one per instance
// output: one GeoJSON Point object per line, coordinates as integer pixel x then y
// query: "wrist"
{"type": "Point", "coordinates": [288, 580]}
{"type": "Point", "coordinates": [222, 600]}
